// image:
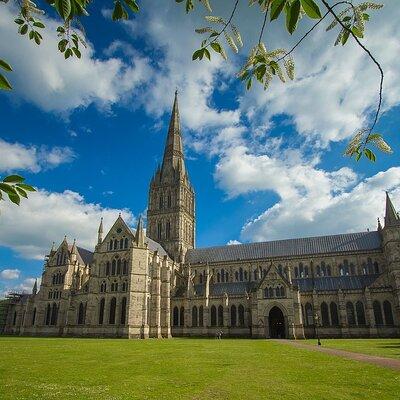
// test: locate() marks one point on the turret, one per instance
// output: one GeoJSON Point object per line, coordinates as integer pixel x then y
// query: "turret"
{"type": "Point", "coordinates": [100, 232]}
{"type": "Point", "coordinates": [139, 237]}
{"type": "Point", "coordinates": [34, 290]}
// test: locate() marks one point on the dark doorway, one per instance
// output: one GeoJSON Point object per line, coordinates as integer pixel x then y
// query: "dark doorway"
{"type": "Point", "coordinates": [276, 324]}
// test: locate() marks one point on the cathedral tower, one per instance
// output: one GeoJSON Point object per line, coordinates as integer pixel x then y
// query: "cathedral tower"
{"type": "Point", "coordinates": [171, 208]}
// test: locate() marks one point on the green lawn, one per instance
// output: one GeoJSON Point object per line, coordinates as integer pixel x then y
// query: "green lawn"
{"type": "Point", "coordinates": [35, 368]}
{"type": "Point", "coordinates": [377, 347]}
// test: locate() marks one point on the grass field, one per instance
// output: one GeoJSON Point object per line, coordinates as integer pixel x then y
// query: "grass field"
{"type": "Point", "coordinates": [36, 368]}
{"type": "Point", "coordinates": [377, 347]}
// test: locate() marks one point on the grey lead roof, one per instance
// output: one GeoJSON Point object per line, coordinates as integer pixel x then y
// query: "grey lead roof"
{"type": "Point", "coordinates": [322, 284]}
{"type": "Point", "coordinates": [153, 246]}
{"type": "Point", "coordinates": [348, 242]}
{"type": "Point", "coordinates": [329, 283]}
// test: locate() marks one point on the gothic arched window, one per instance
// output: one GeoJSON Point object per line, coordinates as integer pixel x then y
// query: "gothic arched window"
{"type": "Point", "coordinates": [241, 274]}
{"type": "Point", "coordinates": [387, 311]}
{"type": "Point", "coordinates": [218, 277]}
{"type": "Point", "coordinates": [256, 275]}
{"type": "Point", "coordinates": [376, 267]}
{"type": "Point", "coordinates": [201, 278]}
{"type": "Point", "coordinates": [125, 267]}
{"type": "Point", "coordinates": [169, 202]}
{"type": "Point", "coordinates": [115, 244]}
{"type": "Point", "coordinates": [324, 314]}
{"type": "Point", "coordinates": [101, 311]}
{"type": "Point", "coordinates": [48, 314]}
{"type": "Point", "coordinates": [114, 266]}
{"type": "Point", "coordinates": [222, 275]}
{"type": "Point", "coordinates": [176, 316]}
{"type": "Point", "coordinates": [182, 317]}
{"type": "Point", "coordinates": [123, 311]}
{"type": "Point", "coordinates": [213, 316]}
{"type": "Point", "coordinates": [194, 316]}
{"type": "Point", "coordinates": [126, 243]}
{"type": "Point", "coordinates": [119, 267]}
{"type": "Point", "coordinates": [334, 314]}
{"type": "Point", "coordinates": [220, 316]}
{"type": "Point", "coordinates": [201, 322]}
{"type": "Point", "coordinates": [159, 230]}
{"type": "Point", "coordinates": [113, 306]}
{"type": "Point", "coordinates": [121, 243]}
{"type": "Point", "coordinates": [161, 202]}
{"type": "Point", "coordinates": [34, 316]}
{"type": "Point", "coordinates": [233, 315]}
{"type": "Point", "coordinates": [81, 314]}
{"type": "Point", "coordinates": [241, 315]}
{"type": "Point", "coordinates": [377, 312]}
{"type": "Point", "coordinates": [168, 230]}
{"type": "Point", "coordinates": [236, 276]}
{"type": "Point", "coordinates": [360, 313]}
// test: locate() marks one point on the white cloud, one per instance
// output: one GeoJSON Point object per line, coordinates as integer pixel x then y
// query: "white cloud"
{"type": "Point", "coordinates": [16, 156]}
{"type": "Point", "coordinates": [336, 88]}
{"type": "Point", "coordinates": [31, 228]}
{"type": "Point", "coordinates": [10, 273]}
{"type": "Point", "coordinates": [312, 213]}
{"type": "Point", "coordinates": [232, 242]}
{"type": "Point", "coordinates": [42, 75]}
{"type": "Point", "coordinates": [25, 286]}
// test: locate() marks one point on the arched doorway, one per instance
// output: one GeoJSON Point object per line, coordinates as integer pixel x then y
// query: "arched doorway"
{"type": "Point", "coordinates": [276, 322]}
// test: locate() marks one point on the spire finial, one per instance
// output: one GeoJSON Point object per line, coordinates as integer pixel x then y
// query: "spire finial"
{"type": "Point", "coordinates": [391, 216]}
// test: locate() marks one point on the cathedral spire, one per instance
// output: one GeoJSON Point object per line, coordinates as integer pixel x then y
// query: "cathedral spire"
{"type": "Point", "coordinates": [391, 216]}
{"type": "Point", "coordinates": [173, 153]}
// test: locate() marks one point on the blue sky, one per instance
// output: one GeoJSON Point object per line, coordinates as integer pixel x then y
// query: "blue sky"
{"type": "Point", "coordinates": [89, 133]}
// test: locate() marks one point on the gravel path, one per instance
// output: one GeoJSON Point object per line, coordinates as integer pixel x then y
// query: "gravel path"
{"type": "Point", "coordinates": [380, 361]}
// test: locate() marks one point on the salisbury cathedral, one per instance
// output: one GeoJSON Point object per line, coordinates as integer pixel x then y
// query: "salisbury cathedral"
{"type": "Point", "coordinates": [156, 283]}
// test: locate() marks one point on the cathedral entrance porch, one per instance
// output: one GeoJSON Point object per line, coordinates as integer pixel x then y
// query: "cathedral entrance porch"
{"type": "Point", "coordinates": [276, 323]}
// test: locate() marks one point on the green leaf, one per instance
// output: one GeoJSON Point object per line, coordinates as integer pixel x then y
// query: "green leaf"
{"type": "Point", "coordinates": [292, 16]}
{"type": "Point", "coordinates": [370, 155]}
{"type": "Point", "coordinates": [276, 8]}
{"type": "Point", "coordinates": [207, 53]}
{"type": "Point", "coordinates": [63, 7]}
{"type": "Point", "coordinates": [13, 179]}
{"type": "Point", "coordinates": [357, 32]}
{"type": "Point", "coordinates": [7, 188]}
{"type": "Point", "coordinates": [4, 84]}
{"type": "Point", "coordinates": [365, 17]}
{"type": "Point", "coordinates": [197, 54]}
{"type": "Point", "coordinates": [24, 186]}
{"type": "Point", "coordinates": [38, 24]}
{"type": "Point", "coordinates": [31, 34]}
{"type": "Point", "coordinates": [77, 52]}
{"type": "Point", "coordinates": [118, 11]}
{"type": "Point", "coordinates": [60, 29]}
{"type": "Point", "coordinates": [311, 9]}
{"type": "Point", "coordinates": [21, 192]}
{"type": "Point", "coordinates": [62, 45]}
{"type": "Point", "coordinates": [14, 198]}
{"type": "Point", "coordinates": [5, 65]}
{"type": "Point", "coordinates": [132, 5]}
{"type": "Point", "coordinates": [358, 156]}
{"type": "Point", "coordinates": [19, 21]}
{"type": "Point", "coordinates": [23, 29]}
{"type": "Point", "coordinates": [68, 53]}
{"type": "Point", "coordinates": [345, 37]}
{"type": "Point", "coordinates": [216, 47]}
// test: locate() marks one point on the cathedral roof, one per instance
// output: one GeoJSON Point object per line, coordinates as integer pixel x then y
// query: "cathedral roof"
{"type": "Point", "coordinates": [153, 246]}
{"type": "Point", "coordinates": [84, 256]}
{"type": "Point", "coordinates": [328, 283]}
{"type": "Point", "coordinates": [348, 242]}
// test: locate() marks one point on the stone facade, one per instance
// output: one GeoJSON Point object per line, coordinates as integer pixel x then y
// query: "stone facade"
{"type": "Point", "coordinates": [160, 285]}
